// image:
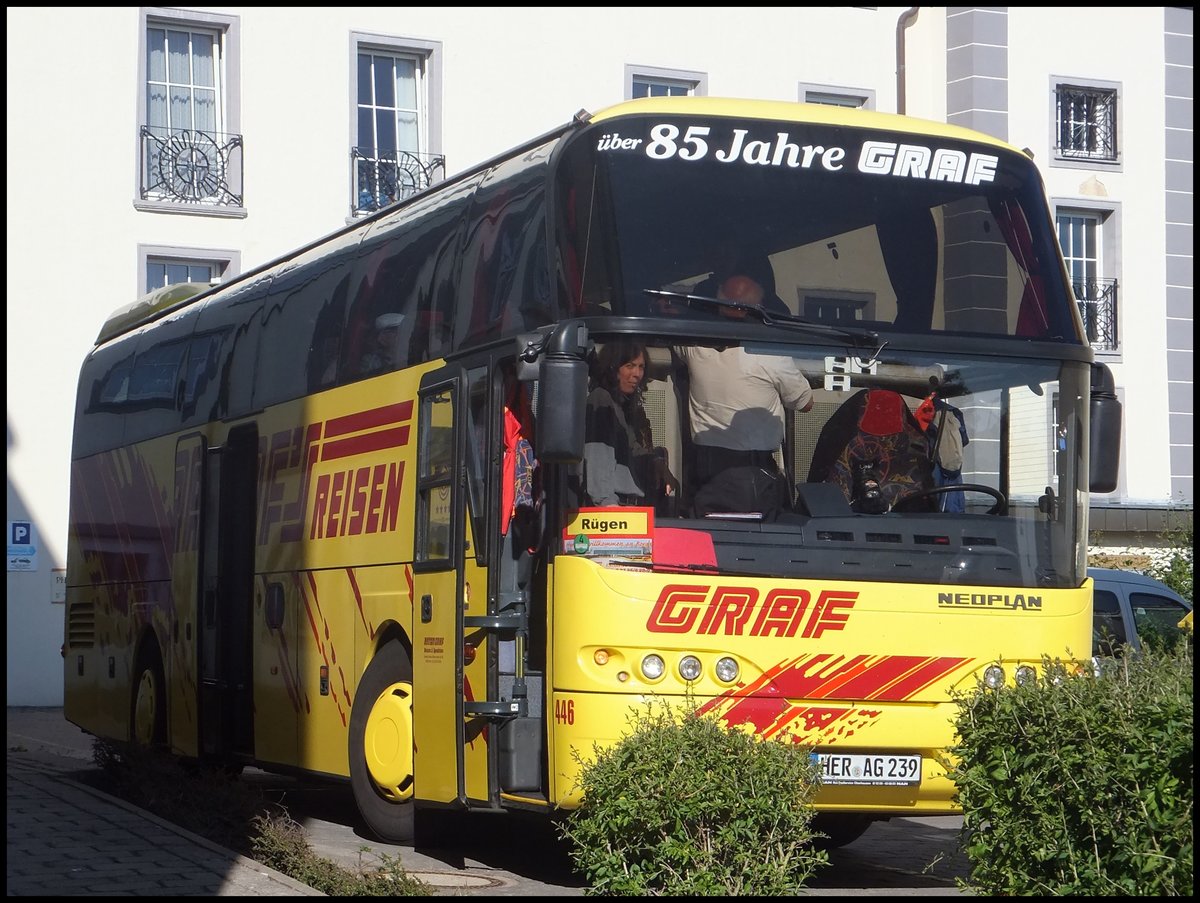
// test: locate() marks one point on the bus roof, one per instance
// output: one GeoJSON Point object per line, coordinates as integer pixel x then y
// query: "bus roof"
{"type": "Point", "coordinates": [795, 112]}
{"type": "Point", "coordinates": [161, 301]}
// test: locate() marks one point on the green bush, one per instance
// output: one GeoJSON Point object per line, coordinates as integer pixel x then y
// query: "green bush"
{"type": "Point", "coordinates": [683, 805]}
{"type": "Point", "coordinates": [1177, 572]}
{"type": "Point", "coordinates": [282, 844]}
{"type": "Point", "coordinates": [1081, 784]}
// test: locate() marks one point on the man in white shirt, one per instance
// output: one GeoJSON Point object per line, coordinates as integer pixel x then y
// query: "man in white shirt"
{"type": "Point", "coordinates": [736, 403]}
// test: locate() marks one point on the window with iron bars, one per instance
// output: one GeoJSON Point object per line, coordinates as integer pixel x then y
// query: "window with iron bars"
{"type": "Point", "coordinates": [189, 155]}
{"type": "Point", "coordinates": [384, 177]}
{"type": "Point", "coordinates": [1097, 299]}
{"type": "Point", "coordinates": [391, 160]}
{"type": "Point", "coordinates": [1087, 123]}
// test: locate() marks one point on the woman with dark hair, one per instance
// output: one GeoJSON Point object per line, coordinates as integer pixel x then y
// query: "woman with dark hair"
{"type": "Point", "coordinates": [619, 460]}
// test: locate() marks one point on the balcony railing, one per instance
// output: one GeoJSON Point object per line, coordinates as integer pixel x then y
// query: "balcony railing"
{"type": "Point", "coordinates": [382, 178]}
{"type": "Point", "coordinates": [1098, 306]}
{"type": "Point", "coordinates": [191, 167]}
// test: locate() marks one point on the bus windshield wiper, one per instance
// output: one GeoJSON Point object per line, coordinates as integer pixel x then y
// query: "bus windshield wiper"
{"type": "Point", "coordinates": [856, 337]}
{"type": "Point", "coordinates": [646, 564]}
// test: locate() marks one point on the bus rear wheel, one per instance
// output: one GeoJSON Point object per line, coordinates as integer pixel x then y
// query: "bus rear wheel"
{"type": "Point", "coordinates": [148, 705]}
{"type": "Point", "coordinates": [381, 745]}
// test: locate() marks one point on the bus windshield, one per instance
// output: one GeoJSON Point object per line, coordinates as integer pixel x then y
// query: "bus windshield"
{"type": "Point", "coordinates": [845, 225]}
{"type": "Point", "coordinates": [980, 461]}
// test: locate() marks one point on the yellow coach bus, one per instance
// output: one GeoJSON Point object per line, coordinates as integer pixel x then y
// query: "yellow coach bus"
{"type": "Point", "coordinates": [326, 518]}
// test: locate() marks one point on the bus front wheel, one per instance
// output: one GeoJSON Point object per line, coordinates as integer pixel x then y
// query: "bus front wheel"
{"type": "Point", "coordinates": [148, 705]}
{"type": "Point", "coordinates": [381, 745]}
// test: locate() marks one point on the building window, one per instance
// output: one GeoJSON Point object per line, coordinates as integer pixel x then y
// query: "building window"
{"type": "Point", "coordinates": [396, 142]}
{"type": "Point", "coordinates": [162, 265]}
{"type": "Point", "coordinates": [1085, 122]}
{"type": "Point", "coordinates": [190, 149]}
{"type": "Point", "coordinates": [834, 306]}
{"type": "Point", "coordinates": [1081, 236]}
{"type": "Point", "coordinates": [661, 87]}
{"type": "Point", "coordinates": [651, 81]}
{"type": "Point", "coordinates": [164, 272]}
{"type": "Point", "coordinates": [834, 96]}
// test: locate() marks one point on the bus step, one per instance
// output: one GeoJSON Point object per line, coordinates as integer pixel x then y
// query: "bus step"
{"type": "Point", "coordinates": [505, 708]}
{"type": "Point", "coordinates": [505, 621]}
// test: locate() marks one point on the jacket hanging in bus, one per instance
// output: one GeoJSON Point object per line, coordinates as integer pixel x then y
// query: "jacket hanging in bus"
{"type": "Point", "coordinates": [519, 493]}
{"type": "Point", "coordinates": [874, 449]}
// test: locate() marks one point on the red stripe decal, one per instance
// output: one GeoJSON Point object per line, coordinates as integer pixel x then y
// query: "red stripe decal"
{"type": "Point", "coordinates": [358, 603]}
{"type": "Point", "coordinates": [763, 704]}
{"type": "Point", "coordinates": [359, 445]}
{"type": "Point", "coordinates": [920, 677]}
{"type": "Point", "coordinates": [872, 681]}
{"type": "Point", "coordinates": [365, 420]}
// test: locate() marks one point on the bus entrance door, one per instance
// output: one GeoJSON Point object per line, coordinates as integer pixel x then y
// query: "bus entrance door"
{"type": "Point", "coordinates": [451, 656]}
{"type": "Point", "coordinates": [226, 596]}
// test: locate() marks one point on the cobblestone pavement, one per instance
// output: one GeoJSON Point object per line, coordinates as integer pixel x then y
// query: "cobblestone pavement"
{"type": "Point", "coordinates": [65, 838]}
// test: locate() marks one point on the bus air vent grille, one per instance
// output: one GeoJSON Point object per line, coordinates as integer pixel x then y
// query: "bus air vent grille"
{"type": "Point", "coordinates": [81, 625]}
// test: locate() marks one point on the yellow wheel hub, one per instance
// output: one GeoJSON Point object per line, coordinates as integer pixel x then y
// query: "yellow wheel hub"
{"type": "Point", "coordinates": [388, 742]}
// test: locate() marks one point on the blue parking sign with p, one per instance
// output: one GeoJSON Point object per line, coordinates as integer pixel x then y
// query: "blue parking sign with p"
{"type": "Point", "coordinates": [22, 547]}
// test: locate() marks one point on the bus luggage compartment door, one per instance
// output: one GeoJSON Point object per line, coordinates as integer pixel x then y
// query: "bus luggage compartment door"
{"type": "Point", "coordinates": [226, 596]}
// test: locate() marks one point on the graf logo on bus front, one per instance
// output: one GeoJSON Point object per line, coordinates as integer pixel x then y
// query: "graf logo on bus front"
{"type": "Point", "coordinates": [351, 474]}
{"type": "Point", "coordinates": [735, 611]}
{"type": "Point", "coordinates": [667, 141]}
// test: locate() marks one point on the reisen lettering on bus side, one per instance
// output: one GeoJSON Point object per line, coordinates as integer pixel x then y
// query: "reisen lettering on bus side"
{"type": "Point", "coordinates": [353, 502]}
{"type": "Point", "coordinates": [890, 158]}
{"type": "Point", "coordinates": [734, 611]}
{"type": "Point", "coordinates": [354, 499]}
{"type": "Point", "coordinates": [1016, 601]}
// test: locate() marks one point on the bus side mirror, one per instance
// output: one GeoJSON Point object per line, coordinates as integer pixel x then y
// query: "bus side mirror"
{"type": "Point", "coordinates": [1104, 439]}
{"type": "Point", "coordinates": [562, 395]}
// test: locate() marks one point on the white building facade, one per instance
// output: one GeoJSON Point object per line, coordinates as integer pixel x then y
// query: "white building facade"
{"type": "Point", "coordinates": [167, 144]}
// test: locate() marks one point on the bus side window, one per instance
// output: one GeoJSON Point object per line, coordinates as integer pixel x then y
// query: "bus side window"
{"type": "Point", "coordinates": [299, 305]}
{"type": "Point", "coordinates": [201, 369]}
{"type": "Point", "coordinates": [405, 269]}
{"type": "Point", "coordinates": [505, 281]}
{"type": "Point", "coordinates": [382, 318]}
{"type": "Point", "coordinates": [326, 343]}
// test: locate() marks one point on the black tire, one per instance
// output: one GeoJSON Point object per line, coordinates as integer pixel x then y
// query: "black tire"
{"type": "Point", "coordinates": [148, 700]}
{"type": "Point", "coordinates": [839, 828]}
{"type": "Point", "coordinates": [381, 725]}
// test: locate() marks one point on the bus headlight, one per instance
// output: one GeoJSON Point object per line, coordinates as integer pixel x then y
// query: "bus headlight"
{"type": "Point", "coordinates": [689, 667]}
{"type": "Point", "coordinates": [727, 669]}
{"type": "Point", "coordinates": [993, 677]}
{"type": "Point", "coordinates": [1025, 675]}
{"type": "Point", "coordinates": [653, 667]}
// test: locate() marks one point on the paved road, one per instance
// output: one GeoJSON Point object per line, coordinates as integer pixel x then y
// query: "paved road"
{"type": "Point", "coordinates": [901, 857]}
{"type": "Point", "coordinates": [64, 837]}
